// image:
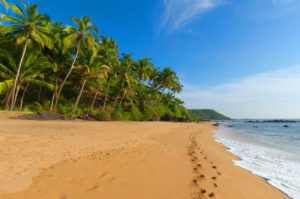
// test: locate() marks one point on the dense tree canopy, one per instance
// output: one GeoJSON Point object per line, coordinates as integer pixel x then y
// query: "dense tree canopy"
{"type": "Point", "coordinates": [47, 66]}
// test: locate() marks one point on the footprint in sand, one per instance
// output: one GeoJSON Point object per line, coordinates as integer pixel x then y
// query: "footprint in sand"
{"type": "Point", "coordinates": [214, 178]}
{"type": "Point", "coordinates": [215, 185]}
{"type": "Point", "coordinates": [214, 167]}
{"type": "Point", "coordinates": [211, 195]}
{"type": "Point", "coordinates": [203, 191]}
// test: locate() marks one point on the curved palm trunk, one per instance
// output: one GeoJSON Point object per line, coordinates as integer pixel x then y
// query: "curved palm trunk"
{"type": "Point", "coordinates": [54, 93]}
{"type": "Point", "coordinates": [23, 94]}
{"type": "Point", "coordinates": [125, 91]}
{"type": "Point", "coordinates": [67, 76]}
{"type": "Point", "coordinates": [78, 97]}
{"type": "Point", "coordinates": [17, 93]}
{"type": "Point", "coordinates": [156, 103]}
{"type": "Point", "coordinates": [116, 99]}
{"type": "Point", "coordinates": [92, 106]}
{"type": "Point", "coordinates": [13, 98]}
{"type": "Point", "coordinates": [7, 98]}
{"type": "Point", "coordinates": [106, 95]}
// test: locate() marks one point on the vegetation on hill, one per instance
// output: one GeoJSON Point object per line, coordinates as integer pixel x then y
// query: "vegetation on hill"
{"type": "Point", "coordinates": [208, 114]}
{"type": "Point", "coordinates": [47, 66]}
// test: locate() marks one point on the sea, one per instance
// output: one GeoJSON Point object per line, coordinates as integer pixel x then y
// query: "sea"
{"type": "Point", "coordinates": [267, 148]}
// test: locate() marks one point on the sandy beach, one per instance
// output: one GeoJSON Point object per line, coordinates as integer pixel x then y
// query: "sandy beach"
{"type": "Point", "coordinates": [112, 160]}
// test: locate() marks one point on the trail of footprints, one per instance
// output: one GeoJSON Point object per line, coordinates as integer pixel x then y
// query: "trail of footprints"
{"type": "Point", "coordinates": [199, 179]}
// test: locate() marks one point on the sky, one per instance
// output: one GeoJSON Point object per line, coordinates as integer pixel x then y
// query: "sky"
{"type": "Point", "coordinates": [241, 58]}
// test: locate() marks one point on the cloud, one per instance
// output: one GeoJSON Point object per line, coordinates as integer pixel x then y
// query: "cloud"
{"type": "Point", "coordinates": [178, 13]}
{"type": "Point", "coordinates": [274, 94]}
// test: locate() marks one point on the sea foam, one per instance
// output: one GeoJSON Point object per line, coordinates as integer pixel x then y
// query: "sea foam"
{"type": "Point", "coordinates": [278, 168]}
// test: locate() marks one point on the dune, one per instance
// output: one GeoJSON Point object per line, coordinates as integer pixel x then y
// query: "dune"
{"type": "Point", "coordinates": [112, 160]}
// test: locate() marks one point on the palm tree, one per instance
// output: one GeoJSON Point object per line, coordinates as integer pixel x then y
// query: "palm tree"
{"type": "Point", "coordinates": [29, 28]}
{"type": "Point", "coordinates": [91, 67]}
{"type": "Point", "coordinates": [33, 65]}
{"type": "Point", "coordinates": [166, 79]}
{"type": "Point", "coordinates": [82, 35]}
{"type": "Point", "coordinates": [58, 57]}
{"type": "Point", "coordinates": [126, 77]}
{"type": "Point", "coordinates": [109, 53]}
{"type": "Point", "coordinates": [143, 69]}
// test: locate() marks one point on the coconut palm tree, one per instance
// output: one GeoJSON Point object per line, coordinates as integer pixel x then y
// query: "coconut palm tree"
{"type": "Point", "coordinates": [91, 67]}
{"type": "Point", "coordinates": [29, 29]}
{"type": "Point", "coordinates": [127, 76]}
{"type": "Point", "coordinates": [109, 52]}
{"type": "Point", "coordinates": [33, 65]}
{"type": "Point", "coordinates": [84, 35]}
{"type": "Point", "coordinates": [166, 79]}
{"type": "Point", "coordinates": [58, 57]}
{"type": "Point", "coordinates": [143, 69]}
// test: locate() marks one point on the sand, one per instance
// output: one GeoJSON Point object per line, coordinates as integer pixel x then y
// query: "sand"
{"type": "Point", "coordinates": [112, 160]}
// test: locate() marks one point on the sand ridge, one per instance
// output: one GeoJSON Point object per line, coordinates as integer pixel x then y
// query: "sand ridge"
{"type": "Point", "coordinates": [154, 160]}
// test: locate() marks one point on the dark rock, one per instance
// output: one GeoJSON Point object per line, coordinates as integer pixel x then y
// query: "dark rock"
{"type": "Point", "coordinates": [286, 126]}
{"type": "Point", "coordinates": [155, 118]}
{"type": "Point", "coordinates": [216, 124]}
{"type": "Point", "coordinates": [280, 121]}
{"type": "Point", "coordinates": [100, 117]}
{"type": "Point", "coordinates": [230, 126]}
{"type": "Point", "coordinates": [45, 116]}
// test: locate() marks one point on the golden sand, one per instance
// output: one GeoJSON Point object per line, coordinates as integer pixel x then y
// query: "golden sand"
{"type": "Point", "coordinates": [120, 160]}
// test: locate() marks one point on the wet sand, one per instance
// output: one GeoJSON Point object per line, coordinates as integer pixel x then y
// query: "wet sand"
{"type": "Point", "coordinates": [112, 160]}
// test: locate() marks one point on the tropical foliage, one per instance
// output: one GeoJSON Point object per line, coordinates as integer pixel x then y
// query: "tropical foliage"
{"type": "Point", "coordinates": [45, 65]}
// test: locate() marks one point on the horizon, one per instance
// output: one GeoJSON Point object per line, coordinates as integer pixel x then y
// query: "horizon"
{"type": "Point", "coordinates": [239, 58]}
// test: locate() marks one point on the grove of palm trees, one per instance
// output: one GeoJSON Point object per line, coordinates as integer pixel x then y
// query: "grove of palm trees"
{"type": "Point", "coordinates": [73, 70]}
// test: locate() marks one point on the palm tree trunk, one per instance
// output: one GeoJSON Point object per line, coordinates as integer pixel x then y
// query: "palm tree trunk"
{"type": "Point", "coordinates": [68, 74]}
{"type": "Point", "coordinates": [17, 93]}
{"type": "Point", "coordinates": [156, 103]}
{"type": "Point", "coordinates": [12, 106]}
{"type": "Point", "coordinates": [54, 93]}
{"type": "Point", "coordinates": [23, 94]}
{"type": "Point", "coordinates": [78, 97]}
{"type": "Point", "coordinates": [7, 98]}
{"type": "Point", "coordinates": [116, 99]}
{"type": "Point", "coordinates": [106, 95]}
{"type": "Point", "coordinates": [121, 100]}
{"type": "Point", "coordinates": [92, 106]}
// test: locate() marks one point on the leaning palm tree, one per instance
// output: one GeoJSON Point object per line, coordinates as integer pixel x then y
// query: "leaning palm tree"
{"type": "Point", "coordinates": [29, 29]}
{"type": "Point", "coordinates": [91, 67]}
{"type": "Point", "coordinates": [33, 65]}
{"type": "Point", "coordinates": [109, 52]}
{"type": "Point", "coordinates": [84, 35]}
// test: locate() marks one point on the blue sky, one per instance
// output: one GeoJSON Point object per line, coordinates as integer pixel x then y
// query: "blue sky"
{"type": "Point", "coordinates": [233, 56]}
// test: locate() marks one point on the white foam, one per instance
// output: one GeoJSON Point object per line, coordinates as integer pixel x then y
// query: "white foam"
{"type": "Point", "coordinates": [277, 167]}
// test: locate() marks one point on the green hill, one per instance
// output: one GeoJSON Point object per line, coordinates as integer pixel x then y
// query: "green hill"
{"type": "Point", "coordinates": [208, 114]}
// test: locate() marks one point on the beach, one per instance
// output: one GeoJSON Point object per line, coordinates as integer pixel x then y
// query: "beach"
{"type": "Point", "coordinates": [80, 159]}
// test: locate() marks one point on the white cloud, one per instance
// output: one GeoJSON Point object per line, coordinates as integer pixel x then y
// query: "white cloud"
{"type": "Point", "coordinates": [178, 13]}
{"type": "Point", "coordinates": [274, 94]}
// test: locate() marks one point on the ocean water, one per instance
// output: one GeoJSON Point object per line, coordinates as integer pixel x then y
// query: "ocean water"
{"type": "Point", "coordinates": [269, 150]}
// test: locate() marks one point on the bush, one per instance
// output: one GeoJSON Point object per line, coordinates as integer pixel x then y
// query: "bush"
{"type": "Point", "coordinates": [117, 116]}
{"type": "Point", "coordinates": [104, 116]}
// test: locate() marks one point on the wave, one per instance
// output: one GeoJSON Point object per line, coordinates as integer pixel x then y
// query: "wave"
{"type": "Point", "coordinates": [278, 168]}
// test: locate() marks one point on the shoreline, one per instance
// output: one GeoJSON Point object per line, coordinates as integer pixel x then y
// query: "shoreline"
{"type": "Point", "coordinates": [122, 160]}
{"type": "Point", "coordinates": [238, 158]}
